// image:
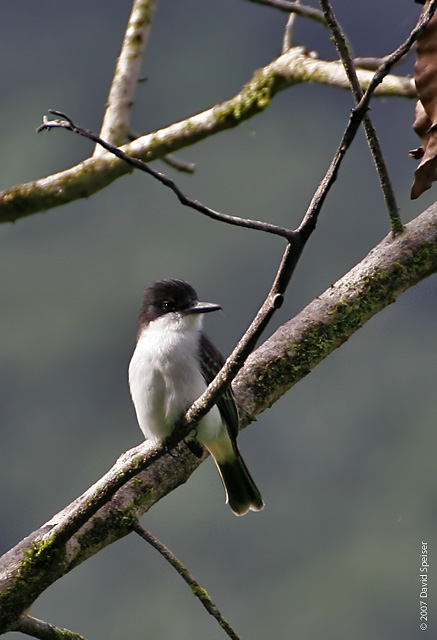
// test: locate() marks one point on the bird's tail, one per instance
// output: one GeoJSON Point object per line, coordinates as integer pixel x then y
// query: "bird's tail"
{"type": "Point", "coordinates": [242, 494]}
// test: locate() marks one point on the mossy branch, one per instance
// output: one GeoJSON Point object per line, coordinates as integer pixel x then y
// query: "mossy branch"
{"type": "Point", "coordinates": [294, 67]}
{"type": "Point", "coordinates": [392, 267]}
{"type": "Point", "coordinates": [116, 121]}
{"type": "Point", "coordinates": [42, 630]}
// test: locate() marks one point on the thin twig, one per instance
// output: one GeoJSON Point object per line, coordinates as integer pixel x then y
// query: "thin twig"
{"type": "Point", "coordinates": [288, 32]}
{"type": "Point", "coordinates": [67, 123]}
{"type": "Point", "coordinates": [180, 165]}
{"type": "Point", "coordinates": [371, 135]}
{"type": "Point", "coordinates": [127, 70]}
{"type": "Point", "coordinates": [44, 630]}
{"type": "Point", "coordinates": [195, 587]}
{"type": "Point", "coordinates": [369, 63]}
{"type": "Point", "coordinates": [294, 7]}
{"type": "Point", "coordinates": [399, 53]}
{"type": "Point", "coordinates": [372, 64]}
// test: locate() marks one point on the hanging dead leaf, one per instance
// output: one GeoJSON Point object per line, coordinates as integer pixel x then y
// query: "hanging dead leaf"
{"type": "Point", "coordinates": [426, 172]}
{"type": "Point", "coordinates": [425, 124]}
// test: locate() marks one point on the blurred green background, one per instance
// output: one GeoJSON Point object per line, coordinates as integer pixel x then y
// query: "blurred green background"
{"type": "Point", "coordinates": [345, 461]}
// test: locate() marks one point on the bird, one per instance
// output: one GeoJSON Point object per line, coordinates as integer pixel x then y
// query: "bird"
{"type": "Point", "coordinates": [172, 364]}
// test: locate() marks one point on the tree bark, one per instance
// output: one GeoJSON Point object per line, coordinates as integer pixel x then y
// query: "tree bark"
{"type": "Point", "coordinates": [292, 352]}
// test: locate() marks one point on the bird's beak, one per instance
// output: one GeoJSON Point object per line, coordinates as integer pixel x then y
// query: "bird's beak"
{"type": "Point", "coordinates": [203, 307]}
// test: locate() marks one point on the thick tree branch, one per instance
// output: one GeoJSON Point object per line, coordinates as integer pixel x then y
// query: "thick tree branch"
{"type": "Point", "coordinates": [93, 174]}
{"type": "Point", "coordinates": [392, 267]}
{"type": "Point", "coordinates": [116, 121]}
{"type": "Point", "coordinates": [290, 354]}
{"type": "Point", "coordinates": [44, 630]}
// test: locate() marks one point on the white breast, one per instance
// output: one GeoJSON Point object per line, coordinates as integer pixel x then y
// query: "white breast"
{"type": "Point", "coordinates": [164, 377]}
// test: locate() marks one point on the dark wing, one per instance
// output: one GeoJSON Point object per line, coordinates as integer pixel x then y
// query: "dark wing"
{"type": "Point", "coordinates": [212, 361]}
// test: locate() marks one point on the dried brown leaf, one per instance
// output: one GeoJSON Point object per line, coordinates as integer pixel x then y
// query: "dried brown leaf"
{"type": "Point", "coordinates": [425, 124]}
{"type": "Point", "coordinates": [426, 172]}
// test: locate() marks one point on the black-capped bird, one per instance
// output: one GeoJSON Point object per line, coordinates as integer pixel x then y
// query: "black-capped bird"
{"type": "Point", "coordinates": [173, 363]}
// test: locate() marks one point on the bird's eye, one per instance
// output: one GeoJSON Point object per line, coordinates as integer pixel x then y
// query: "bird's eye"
{"type": "Point", "coordinates": [167, 305]}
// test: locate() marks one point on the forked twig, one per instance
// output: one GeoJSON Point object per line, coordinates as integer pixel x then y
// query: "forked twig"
{"type": "Point", "coordinates": [372, 63]}
{"type": "Point", "coordinates": [343, 49]}
{"type": "Point", "coordinates": [399, 53]}
{"type": "Point", "coordinates": [357, 115]}
{"type": "Point", "coordinates": [65, 122]}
